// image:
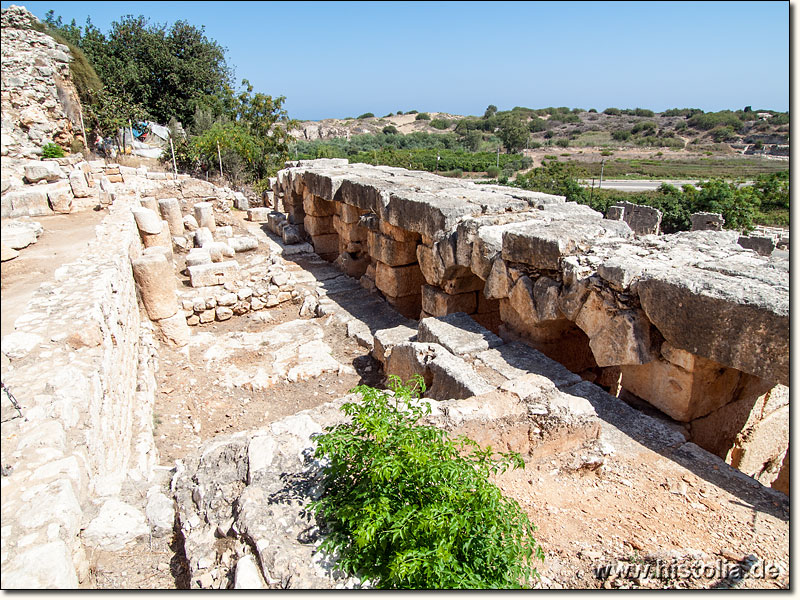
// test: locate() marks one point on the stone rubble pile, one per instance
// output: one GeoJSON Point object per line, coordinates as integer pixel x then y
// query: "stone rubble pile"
{"type": "Point", "coordinates": [693, 323]}
{"type": "Point", "coordinates": [39, 101]}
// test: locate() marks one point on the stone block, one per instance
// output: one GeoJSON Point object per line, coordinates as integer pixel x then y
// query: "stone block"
{"type": "Point", "coordinates": [45, 170]}
{"type": "Point", "coordinates": [386, 339]}
{"type": "Point", "coordinates": [398, 281]}
{"type": "Point", "coordinates": [411, 358]}
{"type": "Point", "coordinates": [704, 221]}
{"type": "Point", "coordinates": [516, 359]}
{"type": "Point", "coordinates": [439, 303]}
{"type": "Point", "coordinates": [258, 215]}
{"type": "Point", "coordinates": [643, 220]}
{"type": "Point", "coordinates": [31, 202]}
{"type": "Point", "coordinates": [352, 266]}
{"type": "Point", "coordinates": [156, 282]}
{"type": "Point", "coordinates": [390, 251]}
{"type": "Point", "coordinates": [397, 233]}
{"type": "Point", "coordinates": [147, 221]}
{"type": "Point", "coordinates": [170, 210]}
{"type": "Point", "coordinates": [204, 213]}
{"type": "Point", "coordinates": [349, 232]}
{"type": "Point", "coordinates": [213, 274]}
{"type": "Point", "coordinates": [318, 207]}
{"type": "Point", "coordinates": [452, 377]}
{"type": "Point", "coordinates": [175, 329]}
{"type": "Point", "coordinates": [498, 283]}
{"type": "Point", "coordinates": [458, 333]}
{"type": "Point", "coordinates": [243, 243]}
{"type": "Point", "coordinates": [462, 285]}
{"type": "Point", "coordinates": [80, 187]}
{"type": "Point", "coordinates": [408, 306]}
{"type": "Point", "coordinates": [350, 214]}
{"type": "Point", "coordinates": [325, 244]}
{"type": "Point", "coordinates": [318, 226]}
{"type": "Point", "coordinates": [430, 264]}
{"type": "Point", "coordinates": [762, 244]}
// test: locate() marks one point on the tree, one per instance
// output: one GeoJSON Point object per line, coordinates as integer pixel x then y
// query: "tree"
{"type": "Point", "coordinates": [513, 132]}
{"type": "Point", "coordinates": [491, 110]}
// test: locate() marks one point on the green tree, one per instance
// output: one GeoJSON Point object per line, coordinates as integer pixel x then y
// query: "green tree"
{"type": "Point", "coordinates": [513, 132]}
{"type": "Point", "coordinates": [490, 111]}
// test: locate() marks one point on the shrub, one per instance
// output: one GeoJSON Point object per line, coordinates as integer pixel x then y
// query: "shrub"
{"type": "Point", "coordinates": [440, 123]}
{"type": "Point", "coordinates": [455, 173]}
{"type": "Point", "coordinates": [535, 144]}
{"type": "Point", "coordinates": [399, 112]}
{"type": "Point", "coordinates": [621, 135]}
{"type": "Point", "coordinates": [412, 112]}
{"type": "Point", "coordinates": [606, 153]}
{"type": "Point", "coordinates": [645, 127]}
{"type": "Point", "coordinates": [550, 157]}
{"type": "Point", "coordinates": [493, 172]}
{"type": "Point", "coordinates": [409, 507]}
{"type": "Point", "coordinates": [365, 116]}
{"type": "Point", "coordinates": [562, 142]}
{"type": "Point", "coordinates": [612, 111]}
{"type": "Point", "coordinates": [708, 121]}
{"type": "Point", "coordinates": [422, 117]}
{"type": "Point", "coordinates": [389, 130]}
{"type": "Point", "coordinates": [592, 110]}
{"type": "Point", "coordinates": [52, 151]}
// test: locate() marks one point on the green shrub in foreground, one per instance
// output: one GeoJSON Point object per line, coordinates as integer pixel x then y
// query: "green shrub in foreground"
{"type": "Point", "coordinates": [408, 507]}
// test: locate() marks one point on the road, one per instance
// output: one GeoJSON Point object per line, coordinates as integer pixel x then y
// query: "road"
{"type": "Point", "coordinates": [639, 185]}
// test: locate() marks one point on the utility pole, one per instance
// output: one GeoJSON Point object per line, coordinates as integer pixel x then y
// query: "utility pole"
{"type": "Point", "coordinates": [498, 157]}
{"type": "Point", "coordinates": [174, 164]}
{"type": "Point", "coordinates": [602, 168]}
{"type": "Point", "coordinates": [219, 155]}
{"type": "Point", "coordinates": [438, 156]}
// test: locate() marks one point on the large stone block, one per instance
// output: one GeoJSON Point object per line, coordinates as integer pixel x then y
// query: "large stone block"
{"type": "Point", "coordinates": [699, 310]}
{"type": "Point", "coordinates": [350, 214]}
{"type": "Point", "coordinates": [213, 274]}
{"type": "Point", "coordinates": [170, 210]}
{"type": "Point", "coordinates": [452, 377]}
{"type": "Point", "coordinates": [45, 170]}
{"type": "Point", "coordinates": [462, 285]}
{"type": "Point", "coordinates": [318, 207]}
{"type": "Point", "coordinates": [325, 244]}
{"type": "Point", "coordinates": [431, 264]}
{"type": "Point", "coordinates": [391, 251]}
{"type": "Point", "coordinates": [258, 215]}
{"type": "Point", "coordinates": [515, 359]}
{"type": "Point", "coordinates": [318, 226]}
{"type": "Point", "coordinates": [458, 333]}
{"type": "Point", "coordinates": [30, 202]}
{"type": "Point", "coordinates": [398, 234]}
{"type": "Point", "coordinates": [156, 282]}
{"type": "Point", "coordinates": [438, 303]}
{"type": "Point", "coordinates": [386, 339]}
{"type": "Point", "coordinates": [80, 187]}
{"type": "Point", "coordinates": [349, 232]}
{"type": "Point", "coordinates": [408, 306]}
{"type": "Point", "coordinates": [398, 281]}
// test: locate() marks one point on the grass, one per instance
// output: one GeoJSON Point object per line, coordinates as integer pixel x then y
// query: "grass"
{"type": "Point", "coordinates": [699, 168]}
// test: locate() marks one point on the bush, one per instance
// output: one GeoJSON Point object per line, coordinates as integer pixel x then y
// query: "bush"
{"type": "Point", "coordinates": [612, 111]}
{"type": "Point", "coordinates": [365, 116]}
{"type": "Point", "coordinates": [592, 110]}
{"type": "Point", "coordinates": [52, 151]}
{"type": "Point", "coordinates": [621, 135]}
{"type": "Point", "coordinates": [493, 172]}
{"type": "Point", "coordinates": [550, 157]}
{"type": "Point", "coordinates": [409, 507]}
{"type": "Point", "coordinates": [440, 123]}
{"type": "Point", "coordinates": [534, 144]}
{"type": "Point", "coordinates": [562, 142]}
{"type": "Point", "coordinates": [606, 153]}
{"type": "Point", "coordinates": [412, 112]}
{"type": "Point", "coordinates": [645, 127]}
{"type": "Point", "coordinates": [708, 121]}
{"type": "Point", "coordinates": [454, 173]}
{"type": "Point", "coordinates": [422, 117]}
{"type": "Point", "coordinates": [389, 130]}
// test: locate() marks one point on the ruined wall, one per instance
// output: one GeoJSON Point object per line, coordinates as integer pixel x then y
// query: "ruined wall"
{"type": "Point", "coordinates": [38, 98]}
{"type": "Point", "coordinates": [692, 323]}
{"type": "Point", "coordinates": [81, 365]}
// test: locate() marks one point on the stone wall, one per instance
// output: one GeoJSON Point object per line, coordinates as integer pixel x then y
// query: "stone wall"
{"type": "Point", "coordinates": [40, 104]}
{"type": "Point", "coordinates": [692, 323]}
{"type": "Point", "coordinates": [81, 364]}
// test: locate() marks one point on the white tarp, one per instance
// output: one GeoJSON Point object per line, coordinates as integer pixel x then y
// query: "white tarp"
{"type": "Point", "coordinates": [159, 130]}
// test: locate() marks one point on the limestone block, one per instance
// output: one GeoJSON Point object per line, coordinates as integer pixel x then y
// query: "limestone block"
{"type": "Point", "coordinates": [196, 188]}
{"type": "Point", "coordinates": [498, 283]}
{"type": "Point", "coordinates": [760, 449]}
{"type": "Point", "coordinates": [515, 359]}
{"type": "Point", "coordinates": [624, 340]}
{"type": "Point", "coordinates": [166, 251]}
{"type": "Point", "coordinates": [620, 271]}
{"type": "Point", "coordinates": [247, 575]}
{"type": "Point", "coordinates": [160, 513]}
{"type": "Point", "coordinates": [390, 251]}
{"type": "Point", "coordinates": [349, 232]}
{"type": "Point", "coordinates": [150, 202]}
{"type": "Point", "coordinates": [462, 285]}
{"type": "Point", "coordinates": [223, 313]}
{"type": "Point", "coordinates": [243, 243]}
{"type": "Point", "coordinates": [683, 395]}
{"type": "Point", "coordinates": [317, 226]}
{"type": "Point", "coordinates": [116, 526]}
{"type": "Point", "coordinates": [170, 210]}
{"type": "Point", "coordinates": [219, 251]}
{"type": "Point", "coordinates": [643, 220]}
{"type": "Point", "coordinates": [386, 339]}
{"type": "Point", "coordinates": [258, 215]}
{"type": "Point", "coordinates": [190, 223]}
{"type": "Point", "coordinates": [439, 303]}
{"type": "Point", "coordinates": [30, 202]}
{"type": "Point", "coordinates": [7, 253]}
{"type": "Point", "coordinates": [213, 274]}
{"type": "Point", "coordinates": [161, 239]}
{"type": "Point", "coordinates": [198, 256]}
{"type": "Point", "coordinates": [291, 235]}
{"type": "Point", "coordinates": [325, 244]}
{"type": "Point", "coordinates": [431, 264]}
{"type": "Point", "coordinates": [486, 245]}
{"type": "Point", "coordinates": [411, 358]}
{"type": "Point", "coordinates": [398, 281]}
{"type": "Point", "coordinates": [45, 170]}
{"type": "Point", "coordinates": [704, 221]}
{"type": "Point", "coordinates": [18, 234]}
{"type": "Point", "coordinates": [203, 237]}
{"type": "Point", "coordinates": [545, 295]}
{"type": "Point", "coordinates": [318, 207]}
{"type": "Point", "coordinates": [697, 310]}
{"type": "Point", "coordinates": [458, 333]}
{"type": "Point", "coordinates": [79, 185]}
{"type": "Point", "coordinates": [207, 316]}
{"type": "Point", "coordinates": [781, 483]}
{"type": "Point", "coordinates": [204, 213]}
{"type": "Point", "coordinates": [156, 282]}
{"type": "Point", "coordinates": [350, 214]}
{"type": "Point", "coordinates": [353, 267]}
{"type": "Point", "coordinates": [452, 377]}
{"type": "Point", "coordinates": [175, 329]}
{"type": "Point", "coordinates": [762, 244]}
{"type": "Point", "coordinates": [397, 233]}
{"type": "Point", "coordinates": [147, 221]}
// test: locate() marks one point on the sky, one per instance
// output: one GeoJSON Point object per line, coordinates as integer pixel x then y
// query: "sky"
{"type": "Point", "coordinates": [343, 59]}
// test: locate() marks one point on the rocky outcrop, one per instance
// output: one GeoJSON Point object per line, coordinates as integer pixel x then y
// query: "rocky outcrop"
{"type": "Point", "coordinates": [683, 321]}
{"type": "Point", "coordinates": [40, 104]}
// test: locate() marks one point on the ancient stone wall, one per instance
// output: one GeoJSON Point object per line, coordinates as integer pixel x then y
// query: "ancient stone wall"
{"type": "Point", "coordinates": [692, 323]}
{"type": "Point", "coordinates": [40, 104]}
{"type": "Point", "coordinates": [80, 363]}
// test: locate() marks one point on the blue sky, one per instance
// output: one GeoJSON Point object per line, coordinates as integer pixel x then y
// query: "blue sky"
{"type": "Point", "coordinates": [339, 59]}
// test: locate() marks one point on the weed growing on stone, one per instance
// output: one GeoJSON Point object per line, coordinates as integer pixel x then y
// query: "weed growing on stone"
{"type": "Point", "coordinates": [409, 507]}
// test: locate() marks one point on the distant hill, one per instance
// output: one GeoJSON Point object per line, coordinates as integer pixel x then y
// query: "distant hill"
{"type": "Point", "coordinates": [748, 131]}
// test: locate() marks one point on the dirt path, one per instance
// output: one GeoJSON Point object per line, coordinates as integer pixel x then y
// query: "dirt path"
{"type": "Point", "coordinates": [64, 239]}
